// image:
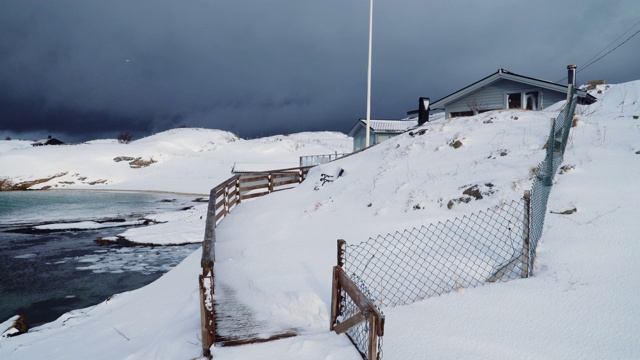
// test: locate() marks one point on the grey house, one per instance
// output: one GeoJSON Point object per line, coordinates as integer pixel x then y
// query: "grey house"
{"type": "Point", "coordinates": [381, 130]}
{"type": "Point", "coordinates": [506, 90]}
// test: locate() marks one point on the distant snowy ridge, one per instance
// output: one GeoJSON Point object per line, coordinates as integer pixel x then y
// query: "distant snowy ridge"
{"type": "Point", "coordinates": [187, 160]}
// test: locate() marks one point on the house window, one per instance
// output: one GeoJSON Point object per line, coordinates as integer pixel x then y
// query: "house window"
{"type": "Point", "coordinates": [524, 100]}
{"type": "Point", "coordinates": [514, 101]}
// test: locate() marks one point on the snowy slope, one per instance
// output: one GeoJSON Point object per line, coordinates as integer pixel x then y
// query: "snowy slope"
{"type": "Point", "coordinates": [190, 160]}
{"type": "Point", "coordinates": [276, 252]}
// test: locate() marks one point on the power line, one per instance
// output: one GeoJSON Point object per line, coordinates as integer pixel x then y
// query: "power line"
{"type": "Point", "coordinates": [609, 52]}
{"type": "Point", "coordinates": [590, 62]}
{"type": "Point", "coordinates": [606, 47]}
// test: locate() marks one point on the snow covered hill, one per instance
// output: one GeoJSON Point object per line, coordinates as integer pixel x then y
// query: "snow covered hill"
{"type": "Point", "coordinates": [188, 160]}
{"type": "Point", "coordinates": [276, 252]}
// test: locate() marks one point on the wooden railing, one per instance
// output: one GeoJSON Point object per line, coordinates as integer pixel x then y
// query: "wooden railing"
{"type": "Point", "coordinates": [222, 199]}
{"type": "Point", "coordinates": [367, 311]}
{"type": "Point", "coordinates": [313, 160]}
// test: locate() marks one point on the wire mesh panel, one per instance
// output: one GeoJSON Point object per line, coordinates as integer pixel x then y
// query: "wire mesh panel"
{"type": "Point", "coordinates": [416, 264]}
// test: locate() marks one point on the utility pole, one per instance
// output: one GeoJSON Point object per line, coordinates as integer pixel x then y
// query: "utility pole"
{"type": "Point", "coordinates": [367, 141]}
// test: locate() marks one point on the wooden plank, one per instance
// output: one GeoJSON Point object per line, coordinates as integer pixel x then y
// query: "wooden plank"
{"type": "Point", "coordinates": [228, 181]}
{"type": "Point", "coordinates": [244, 180]}
{"type": "Point", "coordinates": [280, 183]}
{"type": "Point", "coordinates": [251, 196]}
{"type": "Point", "coordinates": [284, 175]}
{"type": "Point", "coordinates": [254, 187]}
{"type": "Point", "coordinates": [220, 215]}
{"type": "Point", "coordinates": [233, 202]}
{"type": "Point", "coordinates": [349, 323]}
{"type": "Point", "coordinates": [361, 301]}
{"type": "Point", "coordinates": [219, 205]}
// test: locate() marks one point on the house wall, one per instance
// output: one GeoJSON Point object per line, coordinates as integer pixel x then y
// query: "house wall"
{"type": "Point", "coordinates": [493, 97]}
{"type": "Point", "coordinates": [359, 138]}
{"type": "Point", "coordinates": [374, 138]}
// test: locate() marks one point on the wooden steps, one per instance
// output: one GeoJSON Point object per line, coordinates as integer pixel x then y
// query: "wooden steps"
{"type": "Point", "coordinates": [236, 323]}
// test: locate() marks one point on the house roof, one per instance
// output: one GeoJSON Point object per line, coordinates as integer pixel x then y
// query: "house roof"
{"type": "Point", "coordinates": [48, 141]}
{"type": "Point", "coordinates": [385, 126]}
{"type": "Point", "coordinates": [503, 74]}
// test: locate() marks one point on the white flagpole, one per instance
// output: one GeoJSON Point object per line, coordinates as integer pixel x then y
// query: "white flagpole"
{"type": "Point", "coordinates": [369, 74]}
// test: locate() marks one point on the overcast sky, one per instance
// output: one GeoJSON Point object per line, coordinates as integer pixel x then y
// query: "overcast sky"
{"type": "Point", "coordinates": [89, 69]}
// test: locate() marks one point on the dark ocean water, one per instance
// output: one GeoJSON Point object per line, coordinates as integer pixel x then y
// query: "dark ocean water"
{"type": "Point", "coordinates": [43, 275]}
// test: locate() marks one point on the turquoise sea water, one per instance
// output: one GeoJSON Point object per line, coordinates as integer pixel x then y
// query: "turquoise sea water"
{"type": "Point", "coordinates": [45, 274]}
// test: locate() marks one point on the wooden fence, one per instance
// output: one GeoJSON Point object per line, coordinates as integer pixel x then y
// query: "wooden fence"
{"type": "Point", "coordinates": [367, 311]}
{"type": "Point", "coordinates": [312, 160]}
{"type": "Point", "coordinates": [222, 199]}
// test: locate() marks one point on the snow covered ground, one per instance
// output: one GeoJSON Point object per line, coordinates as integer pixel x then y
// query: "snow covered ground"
{"type": "Point", "coordinates": [276, 252]}
{"type": "Point", "coordinates": [187, 160]}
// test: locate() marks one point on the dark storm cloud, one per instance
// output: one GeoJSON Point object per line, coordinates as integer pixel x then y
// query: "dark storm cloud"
{"type": "Point", "coordinates": [94, 68]}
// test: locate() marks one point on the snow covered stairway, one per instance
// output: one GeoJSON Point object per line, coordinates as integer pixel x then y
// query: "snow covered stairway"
{"type": "Point", "coordinates": [236, 323]}
{"type": "Point", "coordinates": [225, 320]}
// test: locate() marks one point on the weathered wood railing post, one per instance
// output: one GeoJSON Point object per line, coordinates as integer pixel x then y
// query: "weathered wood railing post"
{"type": "Point", "coordinates": [270, 182]}
{"type": "Point", "coordinates": [206, 261]}
{"type": "Point", "coordinates": [336, 293]}
{"type": "Point", "coordinates": [205, 280]}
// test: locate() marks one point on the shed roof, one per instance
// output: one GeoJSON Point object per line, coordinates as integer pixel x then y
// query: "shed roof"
{"type": "Point", "coordinates": [262, 167]}
{"type": "Point", "coordinates": [386, 126]}
{"type": "Point", "coordinates": [507, 75]}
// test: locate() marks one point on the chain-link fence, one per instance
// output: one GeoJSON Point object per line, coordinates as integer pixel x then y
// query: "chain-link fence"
{"type": "Point", "coordinates": [497, 244]}
{"type": "Point", "coordinates": [415, 264]}
{"type": "Point", "coordinates": [545, 172]}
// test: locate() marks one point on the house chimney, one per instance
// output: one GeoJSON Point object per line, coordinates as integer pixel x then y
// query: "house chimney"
{"type": "Point", "coordinates": [571, 76]}
{"type": "Point", "coordinates": [423, 110]}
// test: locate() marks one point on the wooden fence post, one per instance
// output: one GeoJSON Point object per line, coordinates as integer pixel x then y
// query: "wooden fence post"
{"type": "Point", "coordinates": [225, 203]}
{"type": "Point", "coordinates": [237, 189]}
{"type": "Point", "coordinates": [336, 299]}
{"type": "Point", "coordinates": [336, 292]}
{"type": "Point", "coordinates": [207, 319]}
{"type": "Point", "coordinates": [526, 221]}
{"type": "Point", "coordinates": [342, 247]}
{"type": "Point", "coordinates": [373, 337]}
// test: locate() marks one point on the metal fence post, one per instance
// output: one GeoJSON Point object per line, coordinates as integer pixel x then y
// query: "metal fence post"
{"type": "Point", "coordinates": [526, 249]}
